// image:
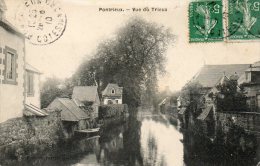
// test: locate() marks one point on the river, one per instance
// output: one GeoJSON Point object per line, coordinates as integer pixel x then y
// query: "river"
{"type": "Point", "coordinates": [150, 140]}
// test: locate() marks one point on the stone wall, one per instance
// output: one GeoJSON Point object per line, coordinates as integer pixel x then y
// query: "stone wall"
{"type": "Point", "coordinates": [250, 121]}
{"type": "Point", "coordinates": [29, 131]}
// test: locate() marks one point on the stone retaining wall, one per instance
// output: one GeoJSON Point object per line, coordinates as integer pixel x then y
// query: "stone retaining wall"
{"type": "Point", "coordinates": [250, 121]}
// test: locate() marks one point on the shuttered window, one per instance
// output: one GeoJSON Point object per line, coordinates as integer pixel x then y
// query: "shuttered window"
{"type": "Point", "coordinates": [10, 66]}
{"type": "Point", "coordinates": [30, 84]}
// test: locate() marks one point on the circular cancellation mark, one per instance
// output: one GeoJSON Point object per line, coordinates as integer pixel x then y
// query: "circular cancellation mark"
{"type": "Point", "coordinates": [42, 21]}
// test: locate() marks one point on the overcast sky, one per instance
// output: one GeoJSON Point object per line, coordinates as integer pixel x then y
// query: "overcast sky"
{"type": "Point", "coordinates": [87, 27]}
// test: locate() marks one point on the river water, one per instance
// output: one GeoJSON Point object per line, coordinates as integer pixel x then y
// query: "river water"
{"type": "Point", "coordinates": [150, 140]}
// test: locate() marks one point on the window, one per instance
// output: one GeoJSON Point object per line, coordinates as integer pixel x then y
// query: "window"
{"type": "Point", "coordinates": [113, 91]}
{"type": "Point", "coordinates": [10, 73]}
{"type": "Point", "coordinates": [10, 66]}
{"type": "Point", "coordinates": [30, 86]}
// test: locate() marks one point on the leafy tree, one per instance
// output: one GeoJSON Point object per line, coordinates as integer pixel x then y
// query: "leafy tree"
{"type": "Point", "coordinates": [191, 97]}
{"type": "Point", "coordinates": [230, 97]}
{"type": "Point", "coordinates": [133, 58]}
{"type": "Point", "coordinates": [50, 90]}
{"type": "Point", "coordinates": [54, 87]}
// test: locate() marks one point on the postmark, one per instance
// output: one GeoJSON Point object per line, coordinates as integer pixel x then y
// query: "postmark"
{"type": "Point", "coordinates": [42, 21]}
{"type": "Point", "coordinates": [243, 19]}
{"type": "Point", "coordinates": [206, 21]}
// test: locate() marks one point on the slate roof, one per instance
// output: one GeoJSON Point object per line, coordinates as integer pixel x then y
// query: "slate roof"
{"type": "Point", "coordinates": [85, 93]}
{"type": "Point", "coordinates": [205, 113]}
{"type": "Point", "coordinates": [108, 89]}
{"type": "Point", "coordinates": [163, 101]}
{"type": "Point", "coordinates": [31, 68]}
{"type": "Point", "coordinates": [69, 110]}
{"type": "Point", "coordinates": [182, 111]}
{"type": "Point", "coordinates": [33, 110]}
{"type": "Point", "coordinates": [210, 75]}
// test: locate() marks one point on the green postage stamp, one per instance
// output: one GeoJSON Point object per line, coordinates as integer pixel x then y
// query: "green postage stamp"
{"type": "Point", "coordinates": [243, 19]}
{"type": "Point", "coordinates": [206, 21]}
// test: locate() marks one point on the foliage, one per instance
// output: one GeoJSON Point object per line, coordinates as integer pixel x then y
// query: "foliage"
{"type": "Point", "coordinates": [54, 87]}
{"type": "Point", "coordinates": [50, 91]}
{"type": "Point", "coordinates": [133, 58]}
{"type": "Point", "coordinates": [191, 97]}
{"type": "Point", "coordinates": [112, 110]}
{"type": "Point", "coordinates": [230, 97]}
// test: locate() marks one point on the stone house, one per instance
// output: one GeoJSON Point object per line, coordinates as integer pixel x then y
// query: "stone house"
{"type": "Point", "coordinates": [250, 81]}
{"type": "Point", "coordinates": [88, 96]}
{"type": "Point", "coordinates": [112, 94]}
{"type": "Point", "coordinates": [166, 106]}
{"type": "Point", "coordinates": [15, 91]}
{"type": "Point", "coordinates": [73, 117]}
{"type": "Point", "coordinates": [248, 78]}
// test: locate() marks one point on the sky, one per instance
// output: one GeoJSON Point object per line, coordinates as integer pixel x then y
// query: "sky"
{"type": "Point", "coordinates": [87, 27]}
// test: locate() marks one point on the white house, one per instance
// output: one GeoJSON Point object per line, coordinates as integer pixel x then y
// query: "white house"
{"type": "Point", "coordinates": [32, 86]}
{"type": "Point", "coordinates": [13, 73]}
{"type": "Point", "coordinates": [112, 94]}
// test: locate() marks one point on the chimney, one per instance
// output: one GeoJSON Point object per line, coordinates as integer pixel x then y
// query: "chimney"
{"type": "Point", "coordinates": [2, 9]}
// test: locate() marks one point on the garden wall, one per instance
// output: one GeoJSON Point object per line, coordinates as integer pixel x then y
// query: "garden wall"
{"type": "Point", "coordinates": [250, 121]}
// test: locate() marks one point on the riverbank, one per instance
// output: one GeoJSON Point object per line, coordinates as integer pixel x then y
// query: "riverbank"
{"type": "Point", "coordinates": [30, 137]}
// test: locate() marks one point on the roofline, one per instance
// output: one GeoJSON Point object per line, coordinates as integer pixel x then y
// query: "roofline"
{"type": "Point", "coordinates": [227, 64]}
{"type": "Point", "coordinates": [72, 111]}
{"type": "Point", "coordinates": [34, 71]}
{"type": "Point", "coordinates": [9, 27]}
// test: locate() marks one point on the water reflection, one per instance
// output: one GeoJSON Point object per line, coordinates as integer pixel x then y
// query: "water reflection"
{"type": "Point", "coordinates": [160, 143]}
{"type": "Point", "coordinates": [152, 140]}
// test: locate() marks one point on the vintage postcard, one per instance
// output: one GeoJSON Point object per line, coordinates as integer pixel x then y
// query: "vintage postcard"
{"type": "Point", "coordinates": [130, 82]}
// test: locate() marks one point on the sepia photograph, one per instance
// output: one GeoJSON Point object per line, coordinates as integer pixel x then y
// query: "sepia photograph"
{"type": "Point", "coordinates": [129, 82]}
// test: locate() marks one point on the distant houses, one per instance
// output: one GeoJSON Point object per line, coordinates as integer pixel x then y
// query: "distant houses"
{"type": "Point", "coordinates": [82, 110]}
{"type": "Point", "coordinates": [112, 94]}
{"type": "Point", "coordinates": [209, 77]}
{"type": "Point", "coordinates": [166, 106]}
{"type": "Point", "coordinates": [88, 95]}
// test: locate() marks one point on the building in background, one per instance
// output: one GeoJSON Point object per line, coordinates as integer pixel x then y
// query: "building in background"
{"type": "Point", "coordinates": [250, 82]}
{"type": "Point", "coordinates": [112, 94]}
{"type": "Point", "coordinates": [32, 86]}
{"type": "Point", "coordinates": [87, 95]}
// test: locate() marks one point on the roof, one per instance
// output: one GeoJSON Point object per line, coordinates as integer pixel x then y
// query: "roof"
{"type": "Point", "coordinates": [69, 110]}
{"type": "Point", "coordinates": [164, 101]}
{"type": "Point", "coordinates": [108, 90]}
{"type": "Point", "coordinates": [33, 110]}
{"type": "Point", "coordinates": [9, 27]}
{"type": "Point", "coordinates": [182, 111]}
{"type": "Point", "coordinates": [3, 5]}
{"type": "Point", "coordinates": [205, 113]}
{"type": "Point", "coordinates": [78, 103]}
{"type": "Point", "coordinates": [31, 68]}
{"type": "Point", "coordinates": [210, 75]}
{"type": "Point", "coordinates": [85, 93]}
